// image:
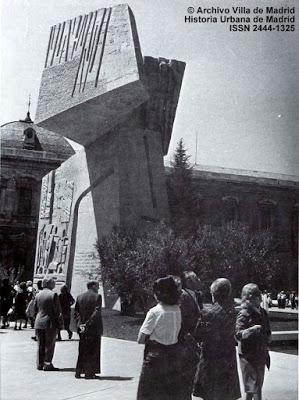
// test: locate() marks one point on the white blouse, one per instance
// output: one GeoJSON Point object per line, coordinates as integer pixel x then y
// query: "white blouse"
{"type": "Point", "coordinates": [163, 323]}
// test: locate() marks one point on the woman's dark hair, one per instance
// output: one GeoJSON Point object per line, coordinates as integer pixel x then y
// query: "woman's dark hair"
{"type": "Point", "coordinates": [167, 290]}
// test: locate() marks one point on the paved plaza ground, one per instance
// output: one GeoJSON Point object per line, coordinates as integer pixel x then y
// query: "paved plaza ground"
{"type": "Point", "coordinates": [121, 363]}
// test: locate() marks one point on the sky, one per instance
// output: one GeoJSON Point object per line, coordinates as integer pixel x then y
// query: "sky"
{"type": "Point", "coordinates": [240, 92]}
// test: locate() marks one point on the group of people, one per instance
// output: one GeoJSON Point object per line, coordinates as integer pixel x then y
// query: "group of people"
{"type": "Point", "coordinates": [287, 299]}
{"type": "Point", "coordinates": [15, 303]}
{"type": "Point", "coordinates": [190, 349]}
{"type": "Point", "coordinates": [53, 314]}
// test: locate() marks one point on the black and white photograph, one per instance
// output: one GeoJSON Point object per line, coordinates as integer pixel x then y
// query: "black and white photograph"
{"type": "Point", "coordinates": [149, 197]}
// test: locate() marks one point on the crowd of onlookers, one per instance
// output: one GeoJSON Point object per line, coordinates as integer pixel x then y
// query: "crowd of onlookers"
{"type": "Point", "coordinates": [189, 346]}
{"type": "Point", "coordinates": [17, 305]}
{"type": "Point", "coordinates": [283, 300]}
{"type": "Point", "coordinates": [287, 299]}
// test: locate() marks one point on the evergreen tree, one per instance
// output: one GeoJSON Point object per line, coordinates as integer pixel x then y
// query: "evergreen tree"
{"type": "Point", "coordinates": [183, 199]}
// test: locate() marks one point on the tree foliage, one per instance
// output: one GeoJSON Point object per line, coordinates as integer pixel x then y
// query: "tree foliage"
{"type": "Point", "coordinates": [182, 195]}
{"type": "Point", "coordinates": [131, 263]}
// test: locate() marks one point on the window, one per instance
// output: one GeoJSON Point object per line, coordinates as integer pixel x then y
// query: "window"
{"type": "Point", "coordinates": [267, 213]}
{"type": "Point", "coordinates": [25, 201]}
{"type": "Point", "coordinates": [30, 140]}
{"type": "Point", "coordinates": [25, 195]}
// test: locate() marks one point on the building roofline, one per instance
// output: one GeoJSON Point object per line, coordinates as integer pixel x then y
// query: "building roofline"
{"type": "Point", "coordinates": [242, 175]}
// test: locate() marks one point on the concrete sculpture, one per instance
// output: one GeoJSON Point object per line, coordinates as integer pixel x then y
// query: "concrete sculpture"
{"type": "Point", "coordinates": [97, 90]}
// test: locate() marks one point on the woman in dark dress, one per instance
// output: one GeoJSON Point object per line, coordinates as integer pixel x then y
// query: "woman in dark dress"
{"type": "Point", "coordinates": [66, 301]}
{"type": "Point", "coordinates": [217, 374]}
{"type": "Point", "coordinates": [20, 305]}
{"type": "Point", "coordinates": [160, 378]}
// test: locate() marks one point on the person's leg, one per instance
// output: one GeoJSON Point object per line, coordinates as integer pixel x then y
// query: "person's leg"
{"type": "Point", "coordinates": [257, 396]}
{"type": "Point", "coordinates": [260, 372]}
{"type": "Point", "coordinates": [41, 342]}
{"type": "Point", "coordinates": [4, 321]}
{"type": "Point", "coordinates": [50, 339]}
{"type": "Point", "coordinates": [67, 328]}
{"type": "Point", "coordinates": [249, 396]}
{"type": "Point", "coordinates": [79, 365]}
{"type": "Point", "coordinates": [59, 338]}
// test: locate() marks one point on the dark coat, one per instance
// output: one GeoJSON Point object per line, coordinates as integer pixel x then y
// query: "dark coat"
{"type": "Point", "coordinates": [66, 301]}
{"type": "Point", "coordinates": [217, 374]}
{"type": "Point", "coordinates": [190, 310]}
{"type": "Point", "coordinates": [47, 309]}
{"type": "Point", "coordinates": [85, 307]}
{"type": "Point", "coordinates": [88, 312]}
{"type": "Point", "coordinates": [21, 304]}
{"type": "Point", "coordinates": [253, 345]}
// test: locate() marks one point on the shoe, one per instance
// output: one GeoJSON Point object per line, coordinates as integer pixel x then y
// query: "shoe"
{"type": "Point", "coordinates": [24, 326]}
{"type": "Point", "coordinates": [3, 326]}
{"type": "Point", "coordinates": [50, 368]}
{"type": "Point", "coordinates": [77, 375]}
{"type": "Point", "coordinates": [40, 367]}
{"type": "Point", "coordinates": [34, 338]}
{"type": "Point", "coordinates": [15, 328]}
{"type": "Point", "coordinates": [70, 335]}
{"type": "Point", "coordinates": [20, 329]}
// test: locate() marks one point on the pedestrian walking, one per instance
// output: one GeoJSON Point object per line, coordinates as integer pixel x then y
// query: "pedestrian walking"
{"type": "Point", "coordinates": [88, 314]}
{"type": "Point", "coordinates": [253, 334]}
{"type": "Point", "coordinates": [48, 320]}
{"type": "Point", "coordinates": [20, 305]}
{"type": "Point", "coordinates": [30, 304]}
{"type": "Point", "coordinates": [66, 301]}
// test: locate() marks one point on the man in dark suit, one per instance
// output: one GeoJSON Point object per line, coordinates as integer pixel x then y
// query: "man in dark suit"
{"type": "Point", "coordinates": [88, 314]}
{"type": "Point", "coordinates": [47, 321]}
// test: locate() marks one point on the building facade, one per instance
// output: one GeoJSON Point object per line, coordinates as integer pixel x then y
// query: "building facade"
{"type": "Point", "coordinates": [28, 152]}
{"type": "Point", "coordinates": [262, 201]}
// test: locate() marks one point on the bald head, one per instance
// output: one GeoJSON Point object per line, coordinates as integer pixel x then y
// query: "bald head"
{"type": "Point", "coordinates": [221, 289]}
